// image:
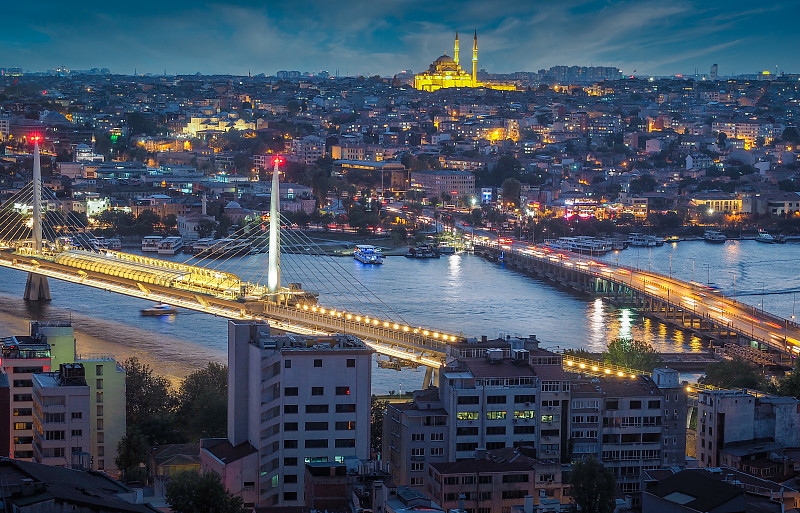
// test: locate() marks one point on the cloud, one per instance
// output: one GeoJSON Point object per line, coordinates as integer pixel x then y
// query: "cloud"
{"type": "Point", "coordinates": [385, 36]}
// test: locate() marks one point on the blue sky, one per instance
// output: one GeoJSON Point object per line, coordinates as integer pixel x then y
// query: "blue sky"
{"type": "Point", "coordinates": [387, 36]}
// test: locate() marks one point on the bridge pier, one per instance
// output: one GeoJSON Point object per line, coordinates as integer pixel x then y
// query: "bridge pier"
{"type": "Point", "coordinates": [431, 378]}
{"type": "Point", "coordinates": [37, 288]}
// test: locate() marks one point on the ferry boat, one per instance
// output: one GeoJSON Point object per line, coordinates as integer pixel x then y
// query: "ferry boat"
{"type": "Point", "coordinates": [150, 243]}
{"type": "Point", "coordinates": [714, 237]}
{"type": "Point", "coordinates": [672, 238]}
{"type": "Point", "coordinates": [764, 237]}
{"type": "Point", "coordinates": [423, 251]}
{"type": "Point", "coordinates": [114, 244]}
{"type": "Point", "coordinates": [368, 254]}
{"type": "Point", "coordinates": [170, 245]}
{"type": "Point", "coordinates": [98, 244]}
{"type": "Point", "coordinates": [160, 309]}
{"type": "Point", "coordinates": [639, 240]}
{"type": "Point", "coordinates": [588, 245]}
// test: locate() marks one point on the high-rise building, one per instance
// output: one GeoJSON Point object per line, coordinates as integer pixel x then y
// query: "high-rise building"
{"type": "Point", "coordinates": [61, 417]}
{"type": "Point", "coordinates": [296, 400]}
{"type": "Point", "coordinates": [23, 356]}
{"type": "Point", "coordinates": [714, 72]}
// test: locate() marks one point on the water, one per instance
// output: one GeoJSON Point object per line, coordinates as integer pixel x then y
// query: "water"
{"type": "Point", "coordinates": [459, 293]}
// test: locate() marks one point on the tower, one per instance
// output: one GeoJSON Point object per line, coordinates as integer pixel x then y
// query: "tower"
{"type": "Point", "coordinates": [37, 288]}
{"type": "Point", "coordinates": [455, 50]}
{"type": "Point", "coordinates": [475, 59]}
{"type": "Point", "coordinates": [274, 261]}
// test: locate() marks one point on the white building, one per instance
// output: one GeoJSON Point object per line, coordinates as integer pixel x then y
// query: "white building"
{"type": "Point", "coordinates": [309, 149]}
{"type": "Point", "coordinates": [61, 417]}
{"type": "Point", "coordinates": [296, 400]}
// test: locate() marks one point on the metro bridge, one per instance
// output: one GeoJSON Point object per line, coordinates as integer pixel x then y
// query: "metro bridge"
{"type": "Point", "coordinates": [52, 245]}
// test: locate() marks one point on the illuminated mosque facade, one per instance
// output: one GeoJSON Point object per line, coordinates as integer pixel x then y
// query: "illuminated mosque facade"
{"type": "Point", "coordinates": [447, 72]}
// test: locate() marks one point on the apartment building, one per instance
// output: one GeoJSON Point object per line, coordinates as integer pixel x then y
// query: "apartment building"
{"type": "Point", "coordinates": [61, 417]}
{"type": "Point", "coordinates": [728, 419]}
{"type": "Point", "coordinates": [444, 181]}
{"type": "Point", "coordinates": [23, 356]}
{"type": "Point", "coordinates": [296, 400]}
{"type": "Point", "coordinates": [309, 149]}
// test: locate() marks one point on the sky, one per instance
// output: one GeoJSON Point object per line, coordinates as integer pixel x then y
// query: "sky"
{"type": "Point", "coordinates": [658, 37]}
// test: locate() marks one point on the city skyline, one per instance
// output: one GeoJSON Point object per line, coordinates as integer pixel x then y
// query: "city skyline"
{"type": "Point", "coordinates": [641, 37]}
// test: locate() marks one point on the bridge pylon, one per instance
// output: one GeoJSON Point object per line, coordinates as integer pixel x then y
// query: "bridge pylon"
{"type": "Point", "coordinates": [37, 288]}
{"type": "Point", "coordinates": [274, 262]}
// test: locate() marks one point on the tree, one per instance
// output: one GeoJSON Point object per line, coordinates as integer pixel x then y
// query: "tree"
{"type": "Point", "coordinates": [789, 385]}
{"type": "Point", "coordinates": [736, 373]}
{"type": "Point", "coordinates": [593, 486]}
{"type": "Point", "coordinates": [131, 455]}
{"type": "Point", "coordinates": [191, 492]}
{"type": "Point", "coordinates": [378, 408]}
{"type": "Point", "coordinates": [170, 221]}
{"type": "Point", "coordinates": [644, 184]}
{"type": "Point", "coordinates": [203, 402]}
{"type": "Point", "coordinates": [206, 228]}
{"type": "Point", "coordinates": [633, 354]}
{"type": "Point", "coordinates": [146, 394]}
{"type": "Point", "coordinates": [511, 190]}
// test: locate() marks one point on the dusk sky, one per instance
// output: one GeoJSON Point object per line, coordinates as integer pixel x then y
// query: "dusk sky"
{"type": "Point", "coordinates": [388, 36]}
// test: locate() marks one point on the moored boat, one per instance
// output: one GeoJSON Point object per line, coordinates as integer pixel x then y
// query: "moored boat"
{"type": "Point", "coordinates": [423, 251]}
{"type": "Point", "coordinates": [150, 243]}
{"type": "Point", "coordinates": [714, 237]}
{"type": "Point", "coordinates": [764, 237]}
{"type": "Point", "coordinates": [170, 245]}
{"type": "Point", "coordinates": [368, 254]}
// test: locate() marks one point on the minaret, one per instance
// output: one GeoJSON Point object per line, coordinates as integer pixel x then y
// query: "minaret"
{"type": "Point", "coordinates": [455, 50]}
{"type": "Point", "coordinates": [475, 59]}
{"type": "Point", "coordinates": [274, 261]}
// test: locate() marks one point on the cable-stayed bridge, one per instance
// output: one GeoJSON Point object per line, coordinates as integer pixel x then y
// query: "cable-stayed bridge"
{"type": "Point", "coordinates": [242, 276]}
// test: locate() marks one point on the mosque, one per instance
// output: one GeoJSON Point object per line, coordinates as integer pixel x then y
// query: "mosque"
{"type": "Point", "coordinates": [447, 72]}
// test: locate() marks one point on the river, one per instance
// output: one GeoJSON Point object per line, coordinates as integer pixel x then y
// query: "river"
{"type": "Point", "coordinates": [460, 293]}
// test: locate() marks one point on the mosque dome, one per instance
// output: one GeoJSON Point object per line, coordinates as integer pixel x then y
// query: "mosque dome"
{"type": "Point", "coordinates": [233, 205]}
{"type": "Point", "coordinates": [444, 59]}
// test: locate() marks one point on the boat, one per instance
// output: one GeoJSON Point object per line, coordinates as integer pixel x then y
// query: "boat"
{"type": "Point", "coordinates": [114, 244]}
{"type": "Point", "coordinates": [764, 237]}
{"type": "Point", "coordinates": [714, 237]}
{"type": "Point", "coordinates": [150, 243]}
{"type": "Point", "coordinates": [672, 238]}
{"type": "Point", "coordinates": [588, 245]}
{"type": "Point", "coordinates": [639, 240]}
{"type": "Point", "coordinates": [160, 309]}
{"type": "Point", "coordinates": [423, 251]}
{"type": "Point", "coordinates": [779, 239]}
{"type": "Point", "coordinates": [447, 250]}
{"type": "Point", "coordinates": [98, 244]}
{"type": "Point", "coordinates": [170, 245]}
{"type": "Point", "coordinates": [368, 254]}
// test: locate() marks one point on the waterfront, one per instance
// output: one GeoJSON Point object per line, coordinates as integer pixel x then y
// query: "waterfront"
{"type": "Point", "coordinates": [461, 293]}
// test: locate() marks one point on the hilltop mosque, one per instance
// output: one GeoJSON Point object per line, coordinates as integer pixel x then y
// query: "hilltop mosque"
{"type": "Point", "coordinates": [446, 72]}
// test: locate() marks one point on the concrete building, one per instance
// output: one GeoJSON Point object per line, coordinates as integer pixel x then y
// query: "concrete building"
{"type": "Point", "coordinates": [23, 356]}
{"type": "Point", "coordinates": [444, 181]}
{"type": "Point", "coordinates": [296, 400]}
{"type": "Point", "coordinates": [61, 417]}
{"type": "Point", "coordinates": [309, 149]}
{"type": "Point", "coordinates": [236, 466]}
{"type": "Point", "coordinates": [735, 418]}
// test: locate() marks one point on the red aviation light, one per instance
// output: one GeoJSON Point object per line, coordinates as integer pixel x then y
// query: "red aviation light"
{"type": "Point", "coordinates": [35, 137]}
{"type": "Point", "coordinates": [277, 160]}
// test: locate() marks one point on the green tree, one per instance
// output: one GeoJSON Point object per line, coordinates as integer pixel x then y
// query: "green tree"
{"type": "Point", "coordinates": [645, 183]}
{"type": "Point", "coordinates": [131, 455]}
{"type": "Point", "coordinates": [203, 402]}
{"type": "Point", "coordinates": [736, 373]}
{"type": "Point", "coordinates": [170, 221]}
{"type": "Point", "coordinates": [378, 408]}
{"type": "Point", "coordinates": [633, 354]}
{"type": "Point", "coordinates": [146, 394]}
{"type": "Point", "coordinates": [511, 191]}
{"type": "Point", "coordinates": [789, 385]}
{"type": "Point", "coordinates": [593, 486]}
{"type": "Point", "coordinates": [206, 228]}
{"type": "Point", "coordinates": [191, 492]}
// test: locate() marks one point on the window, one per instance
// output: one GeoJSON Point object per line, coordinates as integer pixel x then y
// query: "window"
{"type": "Point", "coordinates": [344, 442]}
{"type": "Point", "coordinates": [318, 362]}
{"type": "Point", "coordinates": [514, 494]}
{"type": "Point", "coordinates": [515, 478]}
{"type": "Point", "coordinates": [524, 414]}
{"type": "Point", "coordinates": [290, 408]}
{"type": "Point", "coordinates": [345, 426]}
{"type": "Point", "coordinates": [468, 480]}
{"type": "Point", "coordinates": [467, 415]}
{"type": "Point", "coordinates": [437, 437]}
{"type": "Point", "coordinates": [468, 399]}
{"type": "Point", "coordinates": [496, 399]}
{"type": "Point", "coordinates": [345, 408]}
{"type": "Point", "coordinates": [290, 496]}
{"type": "Point", "coordinates": [75, 415]}
{"type": "Point", "coordinates": [290, 444]}
{"type": "Point", "coordinates": [636, 405]}
{"type": "Point", "coordinates": [290, 462]}
{"type": "Point", "coordinates": [496, 430]}
{"type": "Point", "coordinates": [524, 398]}
{"type": "Point", "coordinates": [495, 415]}
{"type": "Point", "coordinates": [99, 384]}
{"type": "Point", "coordinates": [547, 418]}
{"type": "Point", "coordinates": [550, 386]}
{"type": "Point", "coordinates": [99, 410]}
{"type": "Point", "coordinates": [290, 391]}
{"type": "Point", "coordinates": [417, 467]}
{"type": "Point", "coordinates": [612, 404]}
{"type": "Point", "coordinates": [77, 432]}
{"type": "Point", "coordinates": [23, 425]}
{"type": "Point", "coordinates": [287, 364]}
{"type": "Point", "coordinates": [27, 397]}
{"type": "Point", "coordinates": [466, 446]}
{"type": "Point", "coordinates": [417, 451]}
{"type": "Point", "coordinates": [316, 426]}
{"type": "Point", "coordinates": [290, 478]}
{"type": "Point", "coordinates": [317, 443]}
{"type": "Point", "coordinates": [493, 446]}
{"type": "Point", "coordinates": [54, 435]}
{"type": "Point", "coordinates": [98, 370]}
{"type": "Point", "coordinates": [416, 481]}
{"type": "Point", "coordinates": [417, 437]}
{"type": "Point", "coordinates": [23, 412]}
{"type": "Point", "coordinates": [101, 450]}
{"type": "Point", "coordinates": [437, 451]}
{"type": "Point", "coordinates": [101, 438]}
{"type": "Point", "coordinates": [654, 405]}
{"type": "Point", "coordinates": [317, 390]}
{"type": "Point", "coordinates": [484, 479]}
{"type": "Point", "coordinates": [351, 362]}
{"type": "Point", "coordinates": [99, 397]}
{"type": "Point", "coordinates": [317, 408]}
{"type": "Point", "coordinates": [342, 390]}
{"type": "Point", "coordinates": [466, 431]}
{"type": "Point", "coordinates": [99, 423]}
